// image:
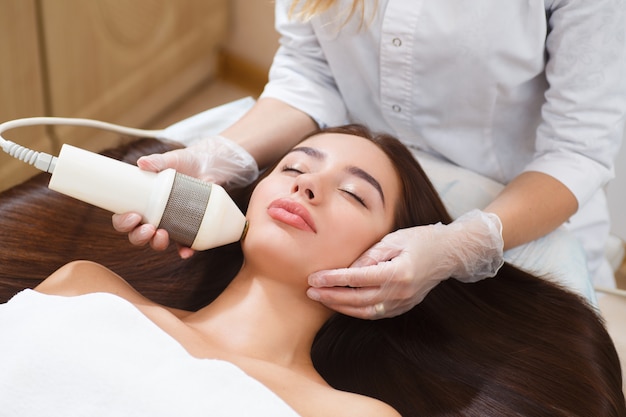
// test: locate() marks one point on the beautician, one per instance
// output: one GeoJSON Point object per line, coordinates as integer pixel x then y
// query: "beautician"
{"type": "Point", "coordinates": [532, 95]}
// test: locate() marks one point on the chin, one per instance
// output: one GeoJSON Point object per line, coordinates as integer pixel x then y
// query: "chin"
{"type": "Point", "coordinates": [274, 246]}
{"type": "Point", "coordinates": [271, 244]}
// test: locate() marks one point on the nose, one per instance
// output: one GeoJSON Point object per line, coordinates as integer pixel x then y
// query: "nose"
{"type": "Point", "coordinates": [308, 192]}
{"type": "Point", "coordinates": [306, 185]}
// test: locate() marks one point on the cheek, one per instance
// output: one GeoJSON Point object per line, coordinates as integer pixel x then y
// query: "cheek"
{"type": "Point", "coordinates": [263, 194]}
{"type": "Point", "coordinates": [349, 239]}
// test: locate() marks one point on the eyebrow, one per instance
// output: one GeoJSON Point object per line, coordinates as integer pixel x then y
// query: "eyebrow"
{"type": "Point", "coordinates": [356, 171]}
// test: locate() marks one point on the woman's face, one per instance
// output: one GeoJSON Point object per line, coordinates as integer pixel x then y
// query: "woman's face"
{"type": "Point", "coordinates": [326, 202]}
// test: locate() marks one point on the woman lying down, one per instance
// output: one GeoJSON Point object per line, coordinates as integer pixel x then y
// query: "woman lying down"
{"type": "Point", "coordinates": [85, 342]}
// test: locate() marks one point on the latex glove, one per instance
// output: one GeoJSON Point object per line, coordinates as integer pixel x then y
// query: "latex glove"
{"type": "Point", "coordinates": [213, 159]}
{"type": "Point", "coordinates": [398, 272]}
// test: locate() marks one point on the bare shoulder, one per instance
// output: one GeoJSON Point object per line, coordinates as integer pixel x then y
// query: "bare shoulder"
{"type": "Point", "coordinates": [311, 396]}
{"type": "Point", "coordinates": [355, 404]}
{"type": "Point", "coordinates": [341, 403]}
{"type": "Point", "coordinates": [85, 277]}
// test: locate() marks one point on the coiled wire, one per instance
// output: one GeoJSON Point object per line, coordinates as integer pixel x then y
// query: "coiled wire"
{"type": "Point", "coordinates": [31, 157]}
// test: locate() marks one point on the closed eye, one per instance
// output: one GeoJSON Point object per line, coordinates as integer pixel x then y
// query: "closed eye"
{"type": "Point", "coordinates": [355, 197]}
{"type": "Point", "coordinates": [289, 168]}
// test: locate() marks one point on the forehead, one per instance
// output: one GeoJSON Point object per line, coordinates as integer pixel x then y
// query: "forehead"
{"type": "Point", "coordinates": [348, 148]}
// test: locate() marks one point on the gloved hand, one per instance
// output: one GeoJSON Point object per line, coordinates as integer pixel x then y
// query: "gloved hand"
{"type": "Point", "coordinates": [398, 272]}
{"type": "Point", "coordinates": [213, 159]}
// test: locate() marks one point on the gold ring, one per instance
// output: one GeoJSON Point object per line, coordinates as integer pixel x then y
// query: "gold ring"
{"type": "Point", "coordinates": [379, 309]}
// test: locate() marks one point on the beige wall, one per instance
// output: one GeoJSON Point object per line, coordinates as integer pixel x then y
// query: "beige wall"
{"type": "Point", "coordinates": [252, 35]}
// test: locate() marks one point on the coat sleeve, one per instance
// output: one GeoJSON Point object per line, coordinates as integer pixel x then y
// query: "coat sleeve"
{"type": "Point", "coordinates": [583, 116]}
{"type": "Point", "coordinates": [300, 75]}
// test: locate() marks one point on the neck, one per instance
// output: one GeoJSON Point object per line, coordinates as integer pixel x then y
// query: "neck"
{"type": "Point", "coordinates": [263, 318]}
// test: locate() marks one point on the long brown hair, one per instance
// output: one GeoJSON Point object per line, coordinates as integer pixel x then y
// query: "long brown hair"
{"type": "Point", "coordinates": [510, 345]}
{"type": "Point", "coordinates": [41, 230]}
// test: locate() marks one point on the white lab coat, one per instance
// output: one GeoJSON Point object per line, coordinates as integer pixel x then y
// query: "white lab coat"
{"type": "Point", "coordinates": [533, 85]}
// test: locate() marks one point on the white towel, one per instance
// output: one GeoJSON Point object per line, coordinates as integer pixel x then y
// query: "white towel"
{"type": "Point", "coordinates": [98, 355]}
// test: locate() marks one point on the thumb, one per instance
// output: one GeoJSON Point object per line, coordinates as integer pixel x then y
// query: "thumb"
{"type": "Point", "coordinates": [380, 252]}
{"type": "Point", "coordinates": [364, 260]}
{"type": "Point", "coordinates": [154, 163]}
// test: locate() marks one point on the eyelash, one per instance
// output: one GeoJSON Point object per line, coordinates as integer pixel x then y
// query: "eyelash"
{"type": "Point", "coordinates": [289, 168]}
{"type": "Point", "coordinates": [358, 199]}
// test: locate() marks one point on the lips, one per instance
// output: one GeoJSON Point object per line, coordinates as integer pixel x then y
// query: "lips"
{"type": "Point", "coordinates": [291, 213]}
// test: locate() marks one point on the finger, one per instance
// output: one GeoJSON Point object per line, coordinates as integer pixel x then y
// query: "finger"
{"type": "Point", "coordinates": [347, 297]}
{"type": "Point", "coordinates": [367, 276]}
{"type": "Point", "coordinates": [376, 311]}
{"type": "Point", "coordinates": [380, 252]}
{"type": "Point", "coordinates": [160, 240]}
{"type": "Point", "coordinates": [371, 312]}
{"type": "Point", "coordinates": [185, 252]}
{"type": "Point", "coordinates": [126, 222]}
{"type": "Point", "coordinates": [142, 234]}
{"type": "Point", "coordinates": [153, 163]}
{"type": "Point", "coordinates": [364, 260]}
{"type": "Point", "coordinates": [173, 159]}
{"type": "Point", "coordinates": [364, 313]}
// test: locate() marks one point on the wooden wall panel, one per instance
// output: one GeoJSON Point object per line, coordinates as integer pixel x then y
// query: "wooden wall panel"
{"type": "Point", "coordinates": [21, 93]}
{"type": "Point", "coordinates": [126, 62]}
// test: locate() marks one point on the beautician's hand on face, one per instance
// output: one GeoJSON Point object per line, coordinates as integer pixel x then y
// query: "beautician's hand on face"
{"type": "Point", "coordinates": [213, 159]}
{"type": "Point", "coordinates": [399, 271]}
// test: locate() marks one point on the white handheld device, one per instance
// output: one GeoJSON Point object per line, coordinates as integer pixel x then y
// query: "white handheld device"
{"type": "Point", "coordinates": [195, 213]}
